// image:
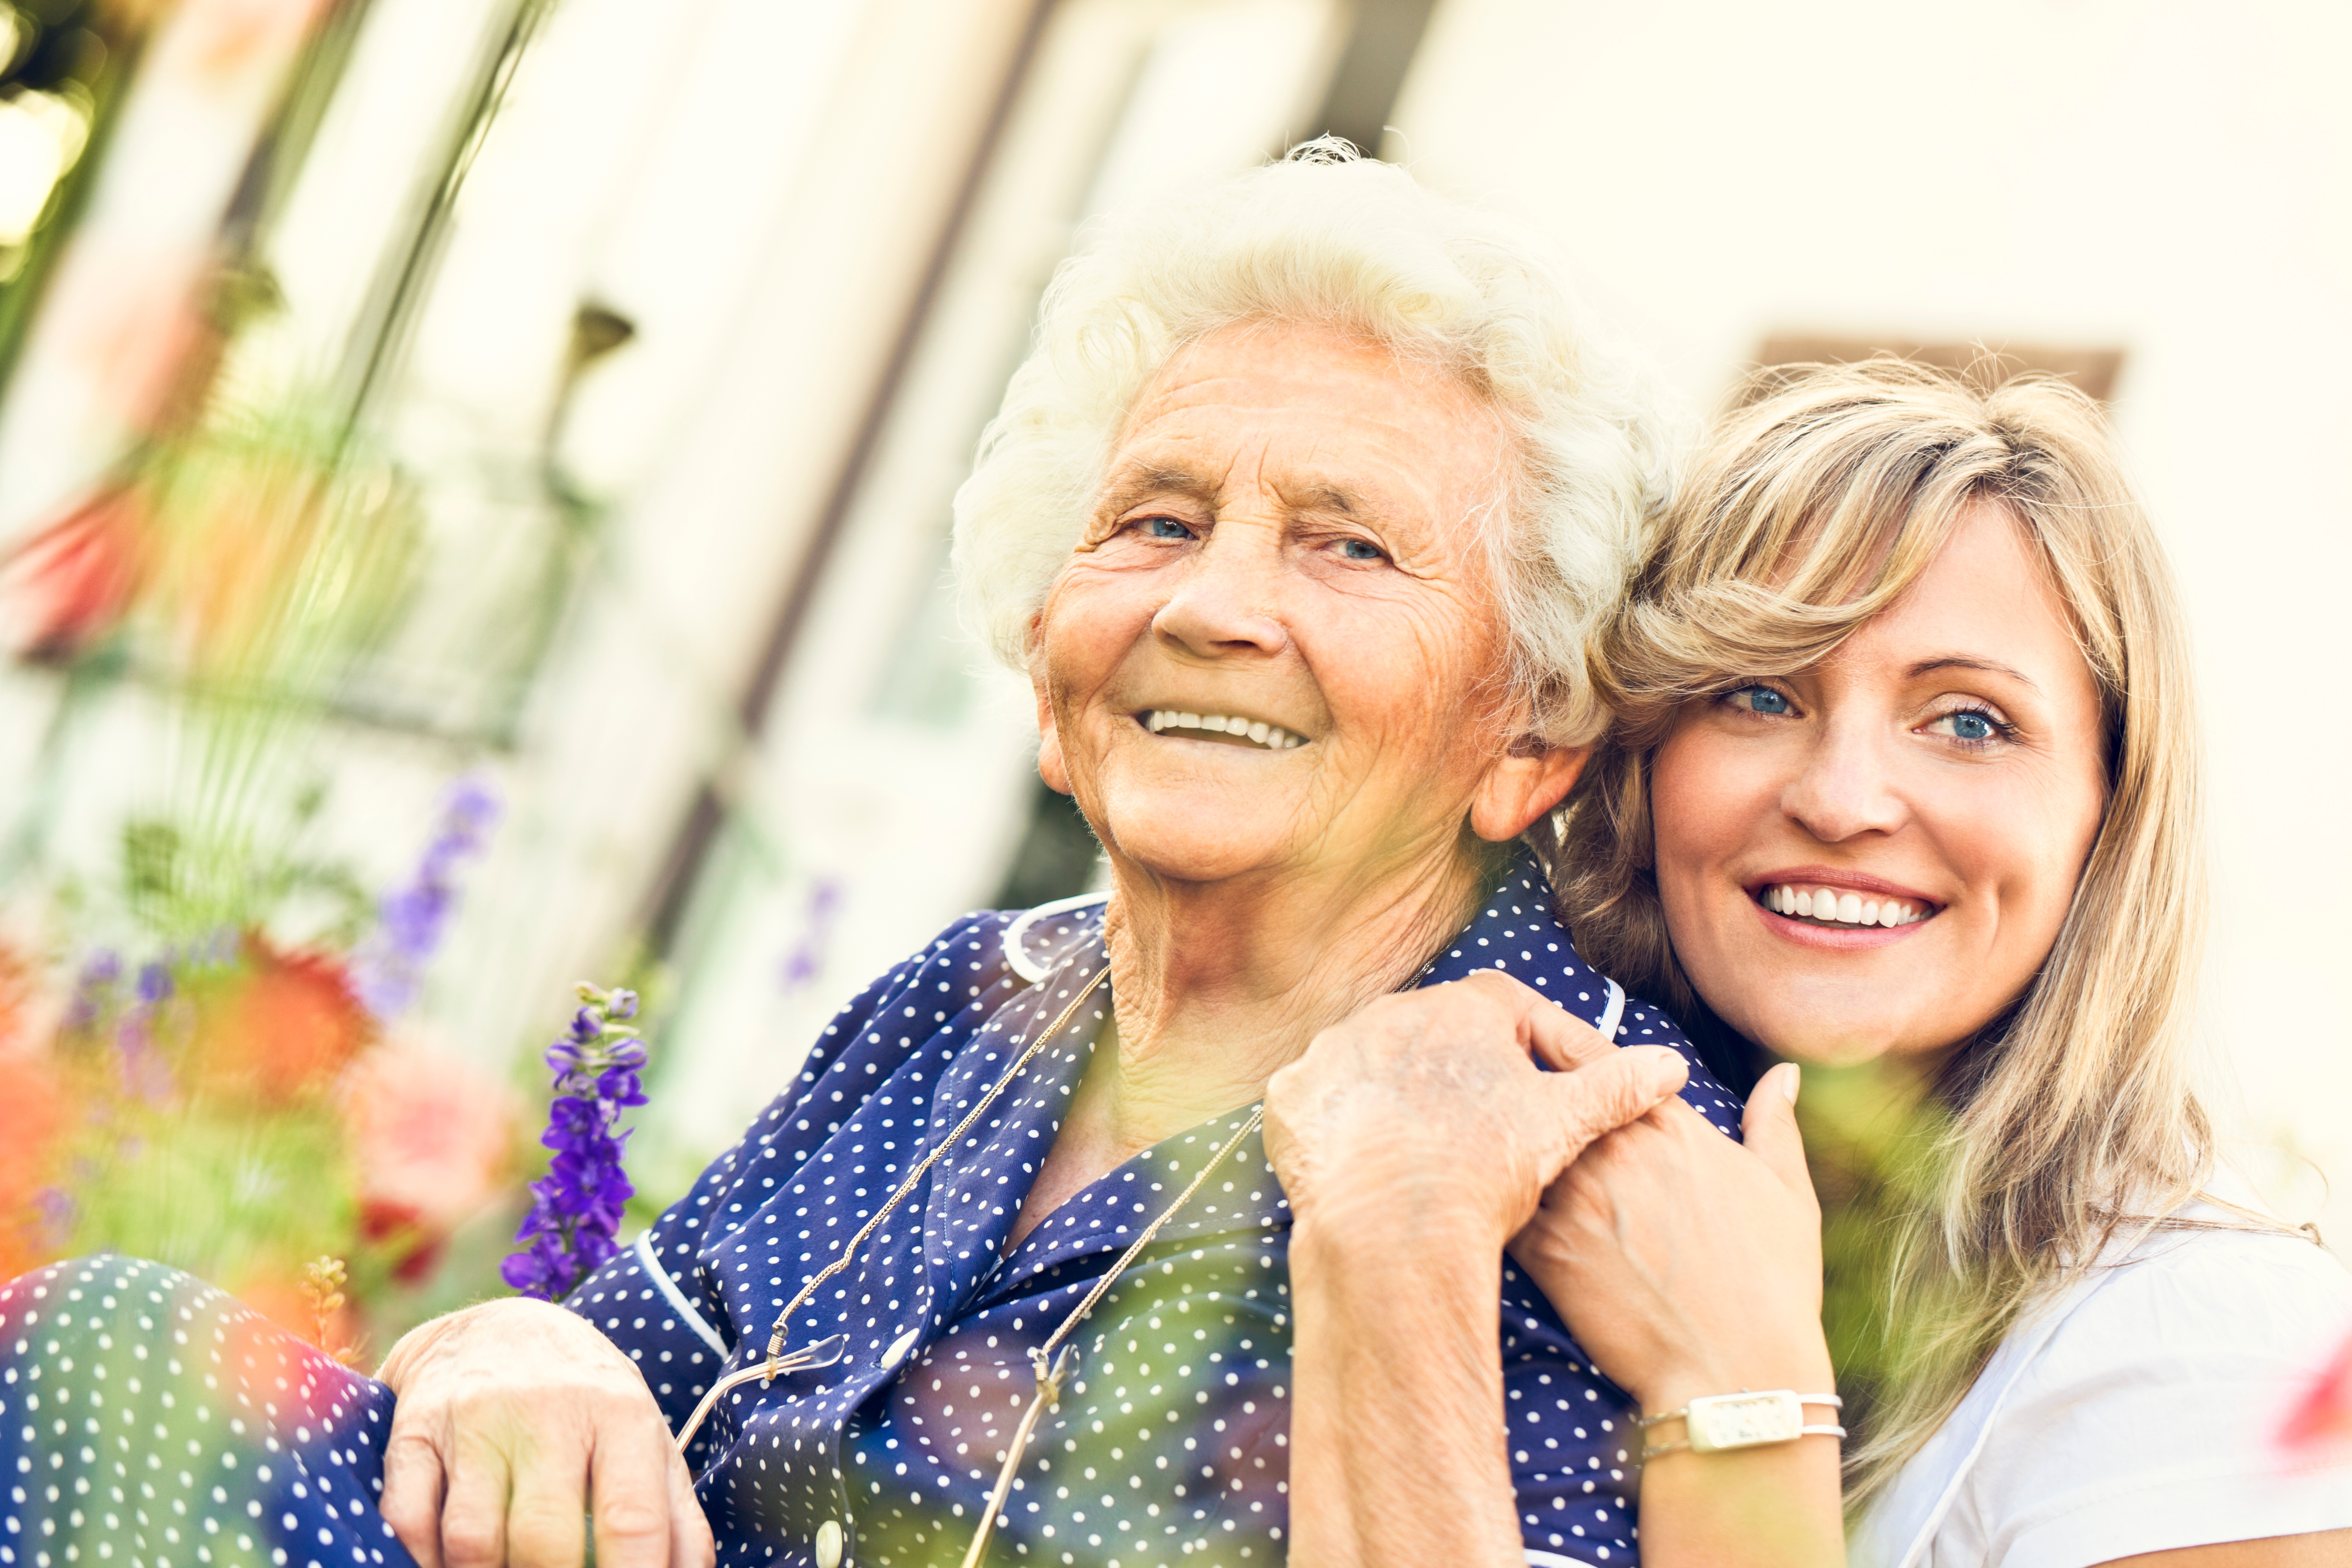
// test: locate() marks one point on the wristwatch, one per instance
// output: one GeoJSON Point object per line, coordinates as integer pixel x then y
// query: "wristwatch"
{"type": "Point", "coordinates": [1746, 1419]}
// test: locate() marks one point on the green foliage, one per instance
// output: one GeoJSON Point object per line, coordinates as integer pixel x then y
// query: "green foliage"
{"type": "Point", "coordinates": [212, 1188]}
{"type": "Point", "coordinates": [1872, 1137]}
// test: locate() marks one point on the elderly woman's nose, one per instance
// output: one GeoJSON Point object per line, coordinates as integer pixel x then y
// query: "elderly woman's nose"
{"type": "Point", "coordinates": [1223, 604]}
{"type": "Point", "coordinates": [1844, 787]}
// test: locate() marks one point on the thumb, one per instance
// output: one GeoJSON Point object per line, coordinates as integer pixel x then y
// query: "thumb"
{"type": "Point", "coordinates": [1768, 1126]}
{"type": "Point", "coordinates": [1605, 1096]}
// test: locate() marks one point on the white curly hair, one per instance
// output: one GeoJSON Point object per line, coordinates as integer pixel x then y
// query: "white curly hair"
{"type": "Point", "coordinates": [1327, 238]}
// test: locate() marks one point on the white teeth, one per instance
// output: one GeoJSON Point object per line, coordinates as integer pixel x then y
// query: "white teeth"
{"type": "Point", "coordinates": [1844, 909]}
{"type": "Point", "coordinates": [1272, 737]}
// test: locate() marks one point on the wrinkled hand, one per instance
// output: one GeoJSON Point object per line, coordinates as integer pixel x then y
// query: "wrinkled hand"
{"type": "Point", "coordinates": [515, 1420]}
{"type": "Point", "coordinates": [1426, 1108]}
{"type": "Point", "coordinates": [1687, 1264]}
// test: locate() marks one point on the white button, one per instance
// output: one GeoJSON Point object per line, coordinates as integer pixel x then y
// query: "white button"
{"type": "Point", "coordinates": [900, 1346]}
{"type": "Point", "coordinates": [828, 1544]}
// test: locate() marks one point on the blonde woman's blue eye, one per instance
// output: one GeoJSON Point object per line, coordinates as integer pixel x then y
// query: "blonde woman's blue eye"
{"type": "Point", "coordinates": [1760, 700]}
{"type": "Point", "coordinates": [1972, 728]}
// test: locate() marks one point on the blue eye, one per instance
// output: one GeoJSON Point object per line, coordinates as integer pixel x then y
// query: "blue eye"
{"type": "Point", "coordinates": [1361, 550]}
{"type": "Point", "coordinates": [1760, 700]}
{"type": "Point", "coordinates": [1166, 528]}
{"type": "Point", "coordinates": [1971, 727]}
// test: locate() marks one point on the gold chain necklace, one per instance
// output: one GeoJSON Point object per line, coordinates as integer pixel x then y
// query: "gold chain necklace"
{"type": "Point", "coordinates": [1051, 1371]}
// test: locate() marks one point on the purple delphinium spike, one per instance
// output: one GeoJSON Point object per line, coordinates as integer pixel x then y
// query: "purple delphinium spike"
{"type": "Point", "coordinates": [575, 1212]}
{"type": "Point", "coordinates": [389, 966]}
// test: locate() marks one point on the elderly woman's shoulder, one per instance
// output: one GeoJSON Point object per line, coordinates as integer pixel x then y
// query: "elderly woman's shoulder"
{"type": "Point", "coordinates": [981, 959]}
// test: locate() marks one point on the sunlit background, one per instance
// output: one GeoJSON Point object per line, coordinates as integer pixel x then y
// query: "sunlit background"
{"type": "Point", "coordinates": [474, 480]}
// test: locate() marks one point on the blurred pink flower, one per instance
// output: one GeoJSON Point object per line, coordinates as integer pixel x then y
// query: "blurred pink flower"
{"type": "Point", "coordinates": [436, 1140]}
{"type": "Point", "coordinates": [2323, 1416]}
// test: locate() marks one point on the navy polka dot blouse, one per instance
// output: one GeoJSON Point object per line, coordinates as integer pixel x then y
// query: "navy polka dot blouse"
{"type": "Point", "coordinates": [1170, 1443]}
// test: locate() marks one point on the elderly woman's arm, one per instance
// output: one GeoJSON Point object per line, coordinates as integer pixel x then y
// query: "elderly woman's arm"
{"type": "Point", "coordinates": [1413, 1140]}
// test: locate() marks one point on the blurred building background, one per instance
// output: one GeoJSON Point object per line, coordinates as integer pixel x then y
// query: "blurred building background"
{"type": "Point", "coordinates": [641, 348]}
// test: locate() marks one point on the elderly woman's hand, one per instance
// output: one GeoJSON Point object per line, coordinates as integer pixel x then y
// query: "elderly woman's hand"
{"type": "Point", "coordinates": [1427, 1107]}
{"type": "Point", "coordinates": [1687, 1264]}
{"type": "Point", "coordinates": [515, 1423]}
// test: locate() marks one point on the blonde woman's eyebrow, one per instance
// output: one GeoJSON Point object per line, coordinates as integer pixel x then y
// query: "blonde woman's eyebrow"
{"type": "Point", "coordinates": [1986, 666]}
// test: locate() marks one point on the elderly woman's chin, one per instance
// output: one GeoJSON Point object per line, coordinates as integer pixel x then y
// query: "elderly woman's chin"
{"type": "Point", "coordinates": [1200, 833]}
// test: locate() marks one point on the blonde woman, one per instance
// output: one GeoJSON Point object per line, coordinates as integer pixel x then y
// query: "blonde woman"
{"type": "Point", "coordinates": [1906, 776]}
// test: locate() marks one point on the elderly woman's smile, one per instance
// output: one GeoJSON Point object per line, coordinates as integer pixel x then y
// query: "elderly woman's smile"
{"type": "Point", "coordinates": [1277, 644]}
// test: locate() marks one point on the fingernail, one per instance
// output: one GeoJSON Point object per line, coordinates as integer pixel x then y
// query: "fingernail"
{"type": "Point", "coordinates": [1792, 1076]}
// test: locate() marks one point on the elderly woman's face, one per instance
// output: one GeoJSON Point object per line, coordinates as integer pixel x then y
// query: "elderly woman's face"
{"type": "Point", "coordinates": [1277, 647]}
{"type": "Point", "coordinates": [1877, 854]}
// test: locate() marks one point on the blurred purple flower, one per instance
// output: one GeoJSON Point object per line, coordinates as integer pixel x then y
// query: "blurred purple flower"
{"type": "Point", "coordinates": [57, 1210]}
{"type": "Point", "coordinates": [575, 1212]}
{"type": "Point", "coordinates": [389, 967]}
{"type": "Point", "coordinates": [805, 961]}
{"type": "Point", "coordinates": [93, 989]}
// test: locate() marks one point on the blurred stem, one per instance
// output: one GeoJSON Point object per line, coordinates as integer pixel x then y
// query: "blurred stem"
{"type": "Point", "coordinates": [383, 329]}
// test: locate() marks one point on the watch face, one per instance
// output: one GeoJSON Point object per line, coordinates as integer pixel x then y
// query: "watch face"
{"type": "Point", "coordinates": [1745, 1420]}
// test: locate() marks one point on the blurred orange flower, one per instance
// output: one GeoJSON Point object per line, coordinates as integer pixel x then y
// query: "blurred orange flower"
{"type": "Point", "coordinates": [70, 583]}
{"type": "Point", "coordinates": [288, 1028]}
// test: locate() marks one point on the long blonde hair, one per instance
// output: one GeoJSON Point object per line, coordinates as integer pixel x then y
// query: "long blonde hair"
{"type": "Point", "coordinates": [1807, 511]}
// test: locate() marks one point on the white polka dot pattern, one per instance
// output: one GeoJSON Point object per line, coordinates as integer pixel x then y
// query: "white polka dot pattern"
{"type": "Point", "coordinates": [146, 1418]}
{"type": "Point", "coordinates": [1169, 1445]}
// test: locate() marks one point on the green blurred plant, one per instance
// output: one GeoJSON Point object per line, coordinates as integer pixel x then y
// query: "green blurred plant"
{"type": "Point", "coordinates": [1872, 1135]}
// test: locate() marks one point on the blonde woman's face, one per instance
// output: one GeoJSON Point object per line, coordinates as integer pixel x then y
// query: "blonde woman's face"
{"type": "Point", "coordinates": [1276, 649]}
{"type": "Point", "coordinates": [1875, 856]}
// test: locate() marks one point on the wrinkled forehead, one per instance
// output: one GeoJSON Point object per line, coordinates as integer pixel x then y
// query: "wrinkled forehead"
{"type": "Point", "coordinates": [1310, 417]}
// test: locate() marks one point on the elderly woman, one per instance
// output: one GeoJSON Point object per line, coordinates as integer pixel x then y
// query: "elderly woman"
{"type": "Point", "coordinates": [1296, 520]}
{"type": "Point", "coordinates": [1905, 783]}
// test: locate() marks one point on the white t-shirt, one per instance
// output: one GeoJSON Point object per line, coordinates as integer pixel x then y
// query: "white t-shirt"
{"type": "Point", "coordinates": [2139, 1414]}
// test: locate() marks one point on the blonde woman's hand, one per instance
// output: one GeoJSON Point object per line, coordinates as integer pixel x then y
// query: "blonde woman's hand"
{"type": "Point", "coordinates": [1687, 1264]}
{"type": "Point", "coordinates": [517, 1427]}
{"type": "Point", "coordinates": [1425, 1111]}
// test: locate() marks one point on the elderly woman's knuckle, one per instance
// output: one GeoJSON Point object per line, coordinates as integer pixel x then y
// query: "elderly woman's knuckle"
{"type": "Point", "coordinates": [633, 1518]}
{"type": "Point", "coordinates": [471, 1538]}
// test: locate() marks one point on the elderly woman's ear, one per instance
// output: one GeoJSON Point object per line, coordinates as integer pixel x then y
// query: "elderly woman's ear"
{"type": "Point", "coordinates": [1527, 781]}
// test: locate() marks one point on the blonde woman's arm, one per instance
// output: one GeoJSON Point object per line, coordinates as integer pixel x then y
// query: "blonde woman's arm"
{"type": "Point", "coordinates": [2329, 1549]}
{"type": "Point", "coordinates": [1688, 1265]}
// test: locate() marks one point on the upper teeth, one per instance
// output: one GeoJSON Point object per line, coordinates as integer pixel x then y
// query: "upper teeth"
{"type": "Point", "coordinates": [1272, 737]}
{"type": "Point", "coordinates": [1845, 909]}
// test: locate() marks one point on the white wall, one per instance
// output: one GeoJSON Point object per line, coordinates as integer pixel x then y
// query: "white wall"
{"type": "Point", "coordinates": [2169, 178]}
